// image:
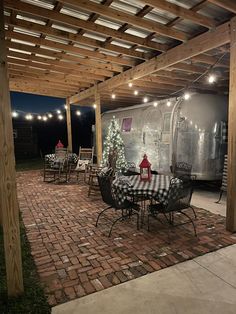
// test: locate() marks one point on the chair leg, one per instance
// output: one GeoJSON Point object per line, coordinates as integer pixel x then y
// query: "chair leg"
{"type": "Point", "coordinates": [118, 219]}
{"type": "Point", "coordinates": [195, 232]}
{"type": "Point", "coordinates": [221, 193]}
{"type": "Point", "coordinates": [194, 212]}
{"type": "Point", "coordinates": [101, 214]}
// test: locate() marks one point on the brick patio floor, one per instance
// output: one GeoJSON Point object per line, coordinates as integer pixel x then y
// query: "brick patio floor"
{"type": "Point", "coordinates": [74, 258]}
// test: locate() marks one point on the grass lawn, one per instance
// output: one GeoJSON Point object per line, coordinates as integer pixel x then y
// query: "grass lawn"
{"type": "Point", "coordinates": [33, 301]}
{"type": "Point", "coordinates": [29, 164]}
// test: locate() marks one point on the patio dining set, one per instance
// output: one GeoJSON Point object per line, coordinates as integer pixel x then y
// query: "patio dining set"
{"type": "Point", "coordinates": [126, 193]}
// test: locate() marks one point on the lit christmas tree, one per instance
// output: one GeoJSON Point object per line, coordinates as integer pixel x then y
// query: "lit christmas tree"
{"type": "Point", "coordinates": [114, 147]}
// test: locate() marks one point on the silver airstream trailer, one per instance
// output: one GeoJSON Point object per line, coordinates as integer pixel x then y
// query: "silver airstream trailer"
{"type": "Point", "coordinates": [174, 130]}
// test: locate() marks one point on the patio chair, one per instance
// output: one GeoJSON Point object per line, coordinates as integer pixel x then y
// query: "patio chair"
{"type": "Point", "coordinates": [85, 158]}
{"type": "Point", "coordinates": [181, 168]}
{"type": "Point", "coordinates": [56, 166]}
{"type": "Point", "coordinates": [127, 208]}
{"type": "Point", "coordinates": [178, 199]}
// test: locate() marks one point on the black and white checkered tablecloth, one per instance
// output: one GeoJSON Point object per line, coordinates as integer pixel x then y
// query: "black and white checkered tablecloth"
{"type": "Point", "coordinates": [54, 162]}
{"type": "Point", "coordinates": [132, 186]}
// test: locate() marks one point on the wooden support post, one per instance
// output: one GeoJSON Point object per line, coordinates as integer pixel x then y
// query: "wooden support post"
{"type": "Point", "coordinates": [68, 123]}
{"type": "Point", "coordinates": [98, 126]}
{"type": "Point", "coordinates": [8, 196]}
{"type": "Point", "coordinates": [231, 184]}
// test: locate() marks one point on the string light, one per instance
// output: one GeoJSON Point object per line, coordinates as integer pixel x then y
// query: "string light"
{"type": "Point", "coordinates": [136, 92]}
{"type": "Point", "coordinates": [50, 115]}
{"type": "Point", "coordinates": [39, 117]}
{"type": "Point", "coordinates": [14, 114]}
{"type": "Point", "coordinates": [60, 117]}
{"type": "Point", "coordinates": [211, 78]}
{"type": "Point", "coordinates": [78, 113]}
{"type": "Point", "coordinates": [155, 104]}
{"type": "Point", "coordinates": [168, 103]}
{"type": "Point", "coordinates": [94, 106]}
{"type": "Point", "coordinates": [58, 111]}
{"type": "Point", "coordinates": [113, 96]}
{"type": "Point", "coordinates": [145, 99]}
{"type": "Point", "coordinates": [65, 106]}
{"type": "Point", "coordinates": [29, 117]}
{"type": "Point", "coordinates": [186, 96]}
{"type": "Point", "coordinates": [130, 84]}
{"type": "Point", "coordinates": [45, 118]}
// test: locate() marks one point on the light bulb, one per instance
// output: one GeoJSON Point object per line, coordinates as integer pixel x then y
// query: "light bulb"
{"type": "Point", "coordinates": [130, 84]}
{"type": "Point", "coordinates": [65, 106]}
{"type": "Point", "coordinates": [145, 99]}
{"type": "Point", "coordinates": [58, 111]}
{"type": "Point", "coordinates": [155, 104]}
{"type": "Point", "coordinates": [186, 96]}
{"type": "Point", "coordinates": [168, 103]}
{"type": "Point", "coordinates": [29, 117]}
{"type": "Point", "coordinates": [136, 92]}
{"type": "Point", "coordinates": [39, 117]}
{"type": "Point", "coordinates": [94, 106]}
{"type": "Point", "coordinates": [211, 78]}
{"type": "Point", "coordinates": [45, 118]}
{"type": "Point", "coordinates": [60, 117]}
{"type": "Point", "coordinates": [113, 96]}
{"type": "Point", "coordinates": [78, 113]}
{"type": "Point", "coordinates": [14, 114]}
{"type": "Point", "coordinates": [50, 115]}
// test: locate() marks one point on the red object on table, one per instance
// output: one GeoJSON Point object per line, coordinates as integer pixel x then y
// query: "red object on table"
{"type": "Point", "coordinates": [145, 169]}
{"type": "Point", "coordinates": [59, 144]}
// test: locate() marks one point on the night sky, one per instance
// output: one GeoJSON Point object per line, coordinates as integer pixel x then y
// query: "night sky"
{"type": "Point", "coordinates": [48, 133]}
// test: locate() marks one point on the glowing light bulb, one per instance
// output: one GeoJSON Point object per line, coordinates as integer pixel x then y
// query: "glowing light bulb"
{"type": "Point", "coordinates": [65, 106]}
{"type": "Point", "coordinates": [50, 115]}
{"type": "Point", "coordinates": [39, 117]}
{"type": "Point", "coordinates": [168, 103]}
{"type": "Point", "coordinates": [58, 111]}
{"type": "Point", "coordinates": [211, 78]}
{"type": "Point", "coordinates": [155, 104]}
{"type": "Point", "coordinates": [130, 84]}
{"type": "Point", "coordinates": [136, 92]}
{"type": "Point", "coordinates": [29, 117]}
{"type": "Point", "coordinates": [186, 96]}
{"type": "Point", "coordinates": [60, 117]}
{"type": "Point", "coordinates": [14, 114]}
{"type": "Point", "coordinates": [45, 118]}
{"type": "Point", "coordinates": [94, 106]}
{"type": "Point", "coordinates": [145, 99]}
{"type": "Point", "coordinates": [113, 96]}
{"type": "Point", "coordinates": [78, 113]}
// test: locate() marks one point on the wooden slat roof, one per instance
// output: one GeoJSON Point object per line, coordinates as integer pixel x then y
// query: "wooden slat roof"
{"type": "Point", "coordinates": [61, 48]}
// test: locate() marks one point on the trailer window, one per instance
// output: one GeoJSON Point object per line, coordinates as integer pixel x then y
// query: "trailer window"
{"type": "Point", "coordinates": [166, 122]}
{"type": "Point", "coordinates": [126, 125]}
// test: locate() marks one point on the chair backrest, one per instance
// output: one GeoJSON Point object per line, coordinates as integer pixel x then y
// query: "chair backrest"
{"type": "Point", "coordinates": [86, 154]}
{"type": "Point", "coordinates": [179, 194]}
{"type": "Point", "coordinates": [182, 168]}
{"type": "Point", "coordinates": [105, 184]}
{"type": "Point", "coordinates": [60, 153]}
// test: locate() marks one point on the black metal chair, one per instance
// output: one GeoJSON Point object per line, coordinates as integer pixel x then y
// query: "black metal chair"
{"type": "Point", "coordinates": [178, 199]}
{"type": "Point", "coordinates": [127, 208]}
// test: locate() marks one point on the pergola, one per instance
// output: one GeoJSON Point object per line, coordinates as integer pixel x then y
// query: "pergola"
{"type": "Point", "coordinates": [85, 51]}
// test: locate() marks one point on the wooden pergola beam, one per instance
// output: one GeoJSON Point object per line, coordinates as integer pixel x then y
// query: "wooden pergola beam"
{"type": "Point", "coordinates": [9, 206]}
{"type": "Point", "coordinates": [182, 12]}
{"type": "Point", "coordinates": [75, 22]}
{"type": "Point", "coordinates": [229, 5]}
{"type": "Point", "coordinates": [193, 47]}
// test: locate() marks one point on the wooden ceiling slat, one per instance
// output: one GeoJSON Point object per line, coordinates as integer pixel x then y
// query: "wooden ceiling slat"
{"type": "Point", "coordinates": [229, 5]}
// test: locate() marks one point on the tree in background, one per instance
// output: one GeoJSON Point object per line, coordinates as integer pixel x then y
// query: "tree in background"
{"type": "Point", "coordinates": [114, 149]}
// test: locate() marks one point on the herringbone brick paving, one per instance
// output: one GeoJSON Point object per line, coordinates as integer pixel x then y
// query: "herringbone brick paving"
{"type": "Point", "coordinates": [74, 258]}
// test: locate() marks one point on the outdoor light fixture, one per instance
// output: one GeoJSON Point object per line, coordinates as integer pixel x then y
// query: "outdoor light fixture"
{"type": "Point", "coordinates": [14, 114]}
{"type": "Point", "coordinates": [78, 113]}
{"type": "Point", "coordinates": [59, 111]}
{"type": "Point", "coordinates": [130, 84]}
{"type": "Point", "coordinates": [155, 104]}
{"type": "Point", "coordinates": [50, 115]}
{"type": "Point", "coordinates": [211, 78]}
{"type": "Point", "coordinates": [45, 118]}
{"type": "Point", "coordinates": [39, 117]}
{"type": "Point", "coordinates": [168, 103]}
{"type": "Point", "coordinates": [60, 117]}
{"type": "Point", "coordinates": [136, 92]}
{"type": "Point", "coordinates": [186, 96]}
{"type": "Point", "coordinates": [113, 96]}
{"type": "Point", "coordinates": [145, 99]}
{"type": "Point", "coordinates": [29, 117]}
{"type": "Point", "coordinates": [94, 106]}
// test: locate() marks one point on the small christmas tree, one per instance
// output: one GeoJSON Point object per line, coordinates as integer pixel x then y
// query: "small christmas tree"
{"type": "Point", "coordinates": [114, 147]}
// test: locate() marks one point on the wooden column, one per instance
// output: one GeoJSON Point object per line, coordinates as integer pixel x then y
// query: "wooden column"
{"type": "Point", "coordinates": [231, 184]}
{"type": "Point", "coordinates": [98, 126]}
{"type": "Point", "coordinates": [68, 123]}
{"type": "Point", "coordinates": [8, 196]}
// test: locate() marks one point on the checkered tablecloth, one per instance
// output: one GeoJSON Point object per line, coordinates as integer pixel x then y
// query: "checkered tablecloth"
{"type": "Point", "coordinates": [54, 162]}
{"type": "Point", "coordinates": [157, 188]}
